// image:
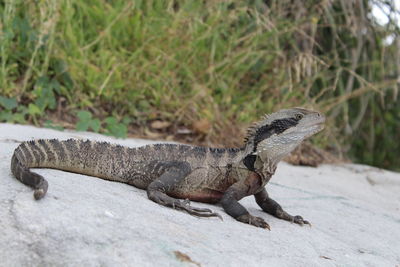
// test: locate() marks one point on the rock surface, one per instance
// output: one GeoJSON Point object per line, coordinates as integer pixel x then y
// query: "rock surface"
{"type": "Point", "coordinates": [84, 221]}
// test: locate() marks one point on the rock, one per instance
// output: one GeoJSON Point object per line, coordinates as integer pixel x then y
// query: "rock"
{"type": "Point", "coordinates": [85, 221]}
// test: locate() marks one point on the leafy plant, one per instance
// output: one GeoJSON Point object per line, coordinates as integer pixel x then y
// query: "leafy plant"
{"type": "Point", "coordinates": [220, 61]}
{"type": "Point", "coordinates": [110, 125]}
{"type": "Point", "coordinates": [86, 121]}
{"type": "Point", "coordinates": [11, 111]}
{"type": "Point", "coordinates": [8, 103]}
{"type": "Point", "coordinates": [115, 128]}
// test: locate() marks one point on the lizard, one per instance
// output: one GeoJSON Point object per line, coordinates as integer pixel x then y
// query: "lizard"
{"type": "Point", "coordinates": [175, 174]}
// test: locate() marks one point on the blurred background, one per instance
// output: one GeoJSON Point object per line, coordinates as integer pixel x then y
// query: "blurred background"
{"type": "Point", "coordinates": [202, 71]}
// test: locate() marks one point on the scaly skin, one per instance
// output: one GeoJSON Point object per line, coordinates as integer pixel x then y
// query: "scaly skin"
{"type": "Point", "coordinates": [170, 172]}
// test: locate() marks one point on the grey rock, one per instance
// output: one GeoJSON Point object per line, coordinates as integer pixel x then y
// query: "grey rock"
{"type": "Point", "coordinates": [85, 221]}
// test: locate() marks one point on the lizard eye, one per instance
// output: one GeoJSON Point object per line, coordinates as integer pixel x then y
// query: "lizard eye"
{"type": "Point", "coordinates": [298, 116]}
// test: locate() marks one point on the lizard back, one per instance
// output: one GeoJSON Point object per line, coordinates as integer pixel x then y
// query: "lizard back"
{"type": "Point", "coordinates": [135, 166]}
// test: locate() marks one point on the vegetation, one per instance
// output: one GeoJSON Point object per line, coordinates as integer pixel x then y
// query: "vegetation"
{"type": "Point", "coordinates": [115, 66]}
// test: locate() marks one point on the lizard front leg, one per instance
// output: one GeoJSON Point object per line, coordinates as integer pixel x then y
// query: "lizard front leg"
{"type": "Point", "coordinates": [231, 206]}
{"type": "Point", "coordinates": [272, 207]}
{"type": "Point", "coordinates": [173, 174]}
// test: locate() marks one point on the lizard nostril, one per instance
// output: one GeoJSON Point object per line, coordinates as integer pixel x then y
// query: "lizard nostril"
{"type": "Point", "coordinates": [320, 116]}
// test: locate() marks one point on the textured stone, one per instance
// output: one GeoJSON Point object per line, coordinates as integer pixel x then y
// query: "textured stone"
{"type": "Point", "coordinates": [84, 221]}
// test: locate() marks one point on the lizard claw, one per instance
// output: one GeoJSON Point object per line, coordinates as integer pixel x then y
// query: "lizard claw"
{"type": "Point", "coordinates": [200, 212]}
{"type": "Point", "coordinates": [184, 205]}
{"type": "Point", "coordinates": [253, 220]}
{"type": "Point", "coordinates": [299, 220]}
{"type": "Point", "coordinates": [186, 202]}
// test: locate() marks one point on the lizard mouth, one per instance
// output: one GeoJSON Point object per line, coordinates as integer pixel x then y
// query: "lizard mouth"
{"type": "Point", "coordinates": [316, 126]}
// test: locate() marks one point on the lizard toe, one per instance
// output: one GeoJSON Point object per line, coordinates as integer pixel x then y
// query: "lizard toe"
{"type": "Point", "coordinates": [199, 212]}
{"type": "Point", "coordinates": [299, 220]}
{"type": "Point", "coordinates": [253, 220]}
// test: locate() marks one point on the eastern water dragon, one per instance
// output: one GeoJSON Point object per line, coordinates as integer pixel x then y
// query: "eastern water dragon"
{"type": "Point", "coordinates": [173, 174]}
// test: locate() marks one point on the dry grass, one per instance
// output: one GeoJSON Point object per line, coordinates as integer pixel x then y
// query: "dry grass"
{"type": "Point", "coordinates": [220, 64]}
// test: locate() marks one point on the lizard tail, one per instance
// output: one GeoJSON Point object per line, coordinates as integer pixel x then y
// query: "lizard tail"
{"type": "Point", "coordinates": [98, 159]}
{"type": "Point", "coordinates": [47, 153]}
{"type": "Point", "coordinates": [24, 175]}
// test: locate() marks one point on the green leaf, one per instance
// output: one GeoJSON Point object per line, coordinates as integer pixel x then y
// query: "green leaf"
{"type": "Point", "coordinates": [84, 115]}
{"type": "Point", "coordinates": [95, 124]}
{"type": "Point", "coordinates": [56, 86]}
{"type": "Point", "coordinates": [8, 103]}
{"type": "Point", "coordinates": [87, 121]}
{"type": "Point", "coordinates": [5, 116]}
{"type": "Point", "coordinates": [111, 120]}
{"type": "Point", "coordinates": [34, 110]}
{"type": "Point", "coordinates": [126, 120]}
{"type": "Point", "coordinates": [18, 117]}
{"type": "Point", "coordinates": [44, 92]}
{"type": "Point", "coordinates": [82, 126]}
{"type": "Point", "coordinates": [67, 80]}
{"type": "Point", "coordinates": [118, 130]}
{"type": "Point", "coordinates": [60, 66]}
{"type": "Point", "coordinates": [121, 131]}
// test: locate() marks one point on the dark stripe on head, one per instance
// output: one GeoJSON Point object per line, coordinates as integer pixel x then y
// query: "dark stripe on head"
{"type": "Point", "coordinates": [276, 127]}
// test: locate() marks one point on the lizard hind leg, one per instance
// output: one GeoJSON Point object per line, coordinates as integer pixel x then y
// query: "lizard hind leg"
{"type": "Point", "coordinates": [174, 173]}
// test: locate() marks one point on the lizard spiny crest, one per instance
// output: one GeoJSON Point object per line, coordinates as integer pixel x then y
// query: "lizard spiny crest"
{"type": "Point", "coordinates": [252, 130]}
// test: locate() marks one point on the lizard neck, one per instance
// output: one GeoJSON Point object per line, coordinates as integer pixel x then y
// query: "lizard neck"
{"type": "Point", "coordinates": [248, 164]}
{"type": "Point", "coordinates": [261, 165]}
{"type": "Point", "coordinates": [266, 166]}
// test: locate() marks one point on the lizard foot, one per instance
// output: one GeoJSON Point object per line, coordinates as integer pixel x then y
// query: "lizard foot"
{"type": "Point", "coordinates": [184, 205]}
{"type": "Point", "coordinates": [253, 220]}
{"type": "Point", "coordinates": [299, 220]}
{"type": "Point", "coordinates": [200, 212]}
{"type": "Point", "coordinates": [281, 214]}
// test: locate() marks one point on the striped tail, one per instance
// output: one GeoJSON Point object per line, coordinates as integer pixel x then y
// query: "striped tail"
{"type": "Point", "coordinates": [19, 167]}
{"type": "Point", "coordinates": [98, 159]}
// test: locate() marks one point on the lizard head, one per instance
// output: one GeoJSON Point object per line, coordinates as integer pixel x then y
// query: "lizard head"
{"type": "Point", "coordinates": [279, 133]}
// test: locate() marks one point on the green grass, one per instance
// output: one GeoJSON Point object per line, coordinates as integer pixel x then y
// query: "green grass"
{"type": "Point", "coordinates": [185, 61]}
